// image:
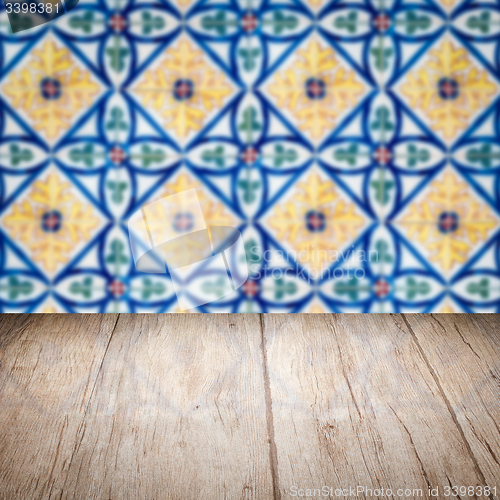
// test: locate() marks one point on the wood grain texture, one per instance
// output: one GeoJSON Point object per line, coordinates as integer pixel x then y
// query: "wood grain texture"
{"type": "Point", "coordinates": [355, 404]}
{"type": "Point", "coordinates": [463, 352]}
{"type": "Point", "coordinates": [47, 373]}
{"type": "Point", "coordinates": [245, 406]}
{"type": "Point", "coordinates": [178, 412]}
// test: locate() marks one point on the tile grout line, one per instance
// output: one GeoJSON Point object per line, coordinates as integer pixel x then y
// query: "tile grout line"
{"type": "Point", "coordinates": [273, 451]}
{"type": "Point", "coordinates": [447, 403]}
{"type": "Point", "coordinates": [86, 408]}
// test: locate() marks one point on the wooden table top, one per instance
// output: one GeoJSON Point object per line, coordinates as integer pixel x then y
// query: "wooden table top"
{"type": "Point", "coordinates": [190, 406]}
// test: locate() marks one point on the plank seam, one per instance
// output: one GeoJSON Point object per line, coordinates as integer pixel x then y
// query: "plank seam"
{"type": "Point", "coordinates": [447, 402]}
{"type": "Point", "coordinates": [78, 441]}
{"type": "Point", "coordinates": [273, 450]}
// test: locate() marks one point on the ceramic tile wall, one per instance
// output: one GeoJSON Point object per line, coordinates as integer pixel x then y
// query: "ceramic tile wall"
{"type": "Point", "coordinates": [355, 144]}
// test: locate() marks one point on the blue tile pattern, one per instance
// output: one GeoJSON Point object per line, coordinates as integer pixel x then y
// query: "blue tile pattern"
{"type": "Point", "coordinates": [355, 144]}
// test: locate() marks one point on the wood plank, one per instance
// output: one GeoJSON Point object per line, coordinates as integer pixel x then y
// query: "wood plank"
{"type": "Point", "coordinates": [178, 412]}
{"type": "Point", "coordinates": [463, 352]}
{"type": "Point", "coordinates": [355, 404]}
{"type": "Point", "coordinates": [48, 369]}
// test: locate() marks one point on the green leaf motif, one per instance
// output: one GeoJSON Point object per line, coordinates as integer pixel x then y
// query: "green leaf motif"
{"type": "Point", "coordinates": [117, 255]}
{"type": "Point", "coordinates": [482, 288]}
{"type": "Point", "coordinates": [217, 23]}
{"type": "Point", "coordinates": [349, 22]}
{"type": "Point", "coordinates": [249, 188]}
{"type": "Point", "coordinates": [150, 23]}
{"type": "Point", "coordinates": [484, 156]}
{"type": "Point", "coordinates": [414, 22]}
{"type": "Point", "coordinates": [117, 188]}
{"type": "Point", "coordinates": [249, 56]}
{"type": "Point", "coordinates": [381, 57]}
{"type": "Point", "coordinates": [283, 288]}
{"type": "Point", "coordinates": [84, 288]}
{"type": "Point", "coordinates": [117, 57]}
{"type": "Point", "coordinates": [85, 155]}
{"type": "Point", "coordinates": [217, 287]}
{"type": "Point", "coordinates": [282, 22]}
{"type": "Point", "coordinates": [251, 255]}
{"type": "Point", "coordinates": [383, 254]}
{"type": "Point", "coordinates": [15, 287]}
{"type": "Point", "coordinates": [18, 155]}
{"type": "Point", "coordinates": [413, 288]}
{"type": "Point", "coordinates": [116, 122]}
{"type": "Point", "coordinates": [481, 23]}
{"type": "Point", "coordinates": [83, 22]}
{"type": "Point", "coordinates": [19, 22]}
{"type": "Point", "coordinates": [281, 155]}
{"type": "Point", "coordinates": [382, 189]}
{"type": "Point", "coordinates": [382, 121]}
{"type": "Point", "coordinates": [415, 155]}
{"type": "Point", "coordinates": [349, 155]}
{"type": "Point", "coordinates": [216, 156]}
{"type": "Point", "coordinates": [149, 288]}
{"type": "Point", "coordinates": [148, 155]}
{"type": "Point", "coordinates": [250, 123]}
{"type": "Point", "coordinates": [349, 287]}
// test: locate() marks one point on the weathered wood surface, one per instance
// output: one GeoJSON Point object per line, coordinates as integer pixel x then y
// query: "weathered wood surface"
{"type": "Point", "coordinates": [463, 353]}
{"type": "Point", "coordinates": [246, 406]}
{"type": "Point", "coordinates": [48, 370]}
{"type": "Point", "coordinates": [352, 396]}
{"type": "Point", "coordinates": [179, 412]}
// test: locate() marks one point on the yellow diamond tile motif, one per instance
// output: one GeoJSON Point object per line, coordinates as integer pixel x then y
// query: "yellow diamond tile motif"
{"type": "Point", "coordinates": [51, 89]}
{"type": "Point", "coordinates": [183, 90]}
{"type": "Point", "coordinates": [448, 221]}
{"type": "Point", "coordinates": [51, 221]}
{"type": "Point", "coordinates": [449, 89]}
{"type": "Point", "coordinates": [315, 89]}
{"type": "Point", "coordinates": [316, 221]}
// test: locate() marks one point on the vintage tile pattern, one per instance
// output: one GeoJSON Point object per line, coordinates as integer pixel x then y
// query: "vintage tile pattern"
{"type": "Point", "coordinates": [356, 144]}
